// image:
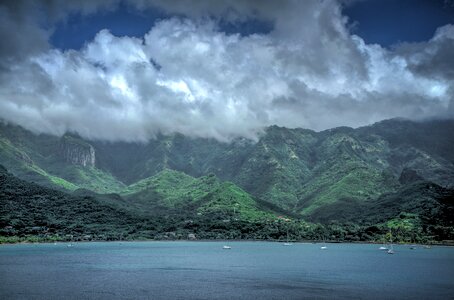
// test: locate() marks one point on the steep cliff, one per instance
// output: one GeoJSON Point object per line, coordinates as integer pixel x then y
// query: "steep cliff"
{"type": "Point", "coordinates": [77, 152]}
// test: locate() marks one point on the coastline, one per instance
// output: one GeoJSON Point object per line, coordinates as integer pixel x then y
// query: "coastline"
{"type": "Point", "coordinates": [30, 242]}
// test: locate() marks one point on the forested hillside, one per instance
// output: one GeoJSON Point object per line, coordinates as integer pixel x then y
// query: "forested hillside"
{"type": "Point", "coordinates": [392, 172]}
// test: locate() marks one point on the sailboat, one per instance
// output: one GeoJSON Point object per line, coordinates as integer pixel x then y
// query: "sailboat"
{"type": "Point", "coordinates": [324, 245]}
{"type": "Point", "coordinates": [287, 243]}
{"type": "Point", "coordinates": [391, 250]}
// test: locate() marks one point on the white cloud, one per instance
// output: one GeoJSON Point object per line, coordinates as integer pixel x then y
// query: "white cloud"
{"type": "Point", "coordinates": [186, 76]}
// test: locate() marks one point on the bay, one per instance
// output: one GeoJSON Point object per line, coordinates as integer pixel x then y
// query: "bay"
{"type": "Point", "coordinates": [203, 270]}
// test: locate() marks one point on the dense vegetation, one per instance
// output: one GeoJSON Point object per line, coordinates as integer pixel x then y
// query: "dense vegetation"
{"type": "Point", "coordinates": [394, 178]}
{"type": "Point", "coordinates": [34, 213]}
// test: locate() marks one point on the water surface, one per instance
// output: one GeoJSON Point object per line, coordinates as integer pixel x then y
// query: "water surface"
{"type": "Point", "coordinates": [203, 270]}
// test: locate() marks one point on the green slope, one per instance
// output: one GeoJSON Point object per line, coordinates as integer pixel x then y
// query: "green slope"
{"type": "Point", "coordinates": [131, 162]}
{"type": "Point", "coordinates": [38, 158]}
{"type": "Point", "coordinates": [29, 211]}
{"type": "Point", "coordinates": [277, 165]}
{"type": "Point", "coordinates": [169, 189]}
{"type": "Point", "coordinates": [424, 146]}
{"type": "Point", "coordinates": [295, 170]}
{"type": "Point", "coordinates": [206, 195]}
{"type": "Point", "coordinates": [301, 170]}
{"type": "Point", "coordinates": [21, 164]}
{"type": "Point", "coordinates": [348, 169]}
{"type": "Point", "coordinates": [414, 208]}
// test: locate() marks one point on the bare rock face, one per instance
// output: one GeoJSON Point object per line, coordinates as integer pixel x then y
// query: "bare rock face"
{"type": "Point", "coordinates": [77, 152]}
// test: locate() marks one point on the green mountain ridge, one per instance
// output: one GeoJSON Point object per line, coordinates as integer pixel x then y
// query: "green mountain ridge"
{"type": "Point", "coordinates": [171, 189]}
{"type": "Point", "coordinates": [292, 172]}
{"type": "Point", "coordinates": [29, 212]}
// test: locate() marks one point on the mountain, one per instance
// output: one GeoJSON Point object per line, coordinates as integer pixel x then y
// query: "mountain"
{"type": "Point", "coordinates": [209, 209]}
{"type": "Point", "coordinates": [296, 169]}
{"type": "Point", "coordinates": [425, 147]}
{"type": "Point", "coordinates": [171, 189]}
{"type": "Point", "coordinates": [292, 172]}
{"type": "Point", "coordinates": [29, 209]}
{"type": "Point", "coordinates": [424, 200]}
{"type": "Point", "coordinates": [66, 162]}
{"type": "Point", "coordinates": [30, 212]}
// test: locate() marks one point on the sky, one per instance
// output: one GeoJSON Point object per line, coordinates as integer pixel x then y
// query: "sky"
{"type": "Point", "coordinates": [128, 70]}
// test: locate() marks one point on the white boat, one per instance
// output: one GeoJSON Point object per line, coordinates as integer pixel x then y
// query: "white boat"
{"type": "Point", "coordinates": [287, 243]}
{"type": "Point", "coordinates": [323, 247]}
{"type": "Point", "coordinates": [391, 250]}
{"type": "Point", "coordinates": [383, 245]}
{"type": "Point", "coordinates": [226, 247]}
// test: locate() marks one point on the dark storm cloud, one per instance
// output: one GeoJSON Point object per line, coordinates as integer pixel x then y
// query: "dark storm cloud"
{"type": "Point", "coordinates": [434, 58]}
{"type": "Point", "coordinates": [19, 34]}
{"type": "Point", "coordinates": [308, 71]}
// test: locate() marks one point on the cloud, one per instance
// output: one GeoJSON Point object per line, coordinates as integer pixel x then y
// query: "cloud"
{"type": "Point", "coordinates": [19, 35]}
{"type": "Point", "coordinates": [186, 75]}
{"type": "Point", "coordinates": [434, 58]}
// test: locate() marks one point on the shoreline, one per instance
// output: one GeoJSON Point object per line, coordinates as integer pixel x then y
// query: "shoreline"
{"type": "Point", "coordinates": [448, 244]}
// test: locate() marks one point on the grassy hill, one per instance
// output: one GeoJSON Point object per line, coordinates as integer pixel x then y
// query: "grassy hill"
{"type": "Point", "coordinates": [171, 189]}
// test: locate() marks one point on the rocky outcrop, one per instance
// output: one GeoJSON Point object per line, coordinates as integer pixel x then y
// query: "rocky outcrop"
{"type": "Point", "coordinates": [77, 152]}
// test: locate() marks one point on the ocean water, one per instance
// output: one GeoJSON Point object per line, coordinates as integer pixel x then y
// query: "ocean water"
{"type": "Point", "coordinates": [203, 270]}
